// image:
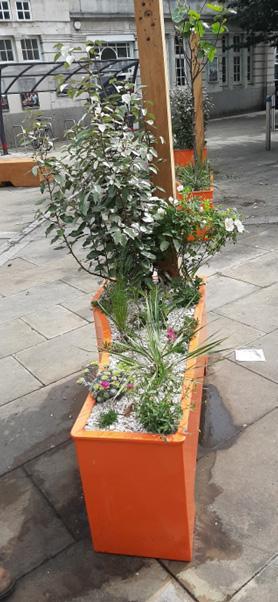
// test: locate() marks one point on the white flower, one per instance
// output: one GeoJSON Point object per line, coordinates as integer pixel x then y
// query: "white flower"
{"type": "Point", "coordinates": [180, 188]}
{"type": "Point", "coordinates": [239, 226]}
{"type": "Point", "coordinates": [201, 209]}
{"type": "Point", "coordinates": [229, 224]}
{"type": "Point", "coordinates": [160, 211]}
{"type": "Point", "coordinates": [126, 98]}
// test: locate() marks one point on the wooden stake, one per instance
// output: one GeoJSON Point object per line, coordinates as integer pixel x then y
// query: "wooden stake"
{"type": "Point", "coordinates": [154, 76]}
{"type": "Point", "coordinates": [198, 99]}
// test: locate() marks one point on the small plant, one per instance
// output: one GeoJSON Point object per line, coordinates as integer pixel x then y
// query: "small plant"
{"type": "Point", "coordinates": [160, 416]}
{"type": "Point", "coordinates": [183, 116]}
{"type": "Point", "coordinates": [194, 176]}
{"type": "Point", "coordinates": [114, 303]}
{"type": "Point", "coordinates": [183, 294]}
{"type": "Point", "coordinates": [109, 383]}
{"type": "Point", "coordinates": [107, 418]}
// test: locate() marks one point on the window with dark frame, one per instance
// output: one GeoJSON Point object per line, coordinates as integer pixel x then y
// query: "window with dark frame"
{"type": "Point", "coordinates": [5, 12]}
{"type": "Point", "coordinates": [249, 61]}
{"type": "Point", "coordinates": [23, 10]}
{"type": "Point", "coordinates": [224, 60]}
{"type": "Point", "coordinates": [237, 59]}
{"type": "Point", "coordinates": [30, 49]}
{"type": "Point", "coordinates": [6, 51]}
{"type": "Point", "coordinates": [180, 62]}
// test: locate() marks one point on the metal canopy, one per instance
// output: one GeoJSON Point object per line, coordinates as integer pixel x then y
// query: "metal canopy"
{"type": "Point", "coordinates": [15, 76]}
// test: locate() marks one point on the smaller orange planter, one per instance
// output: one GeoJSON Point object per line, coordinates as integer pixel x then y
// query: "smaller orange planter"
{"type": "Point", "coordinates": [185, 156]}
{"type": "Point", "coordinates": [18, 171]}
{"type": "Point", "coordinates": [139, 487]}
{"type": "Point", "coordinates": [201, 195]}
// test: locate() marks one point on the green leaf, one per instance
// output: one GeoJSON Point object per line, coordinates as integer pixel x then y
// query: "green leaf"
{"type": "Point", "coordinates": [215, 7]}
{"type": "Point", "coordinates": [164, 245]}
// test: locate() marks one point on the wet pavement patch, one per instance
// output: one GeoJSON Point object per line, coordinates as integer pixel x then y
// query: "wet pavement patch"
{"type": "Point", "coordinates": [217, 426]}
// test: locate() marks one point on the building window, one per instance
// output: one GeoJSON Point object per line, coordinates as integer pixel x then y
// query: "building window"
{"type": "Point", "coordinates": [213, 71]}
{"type": "Point", "coordinates": [6, 51]}
{"type": "Point", "coordinates": [237, 59]}
{"type": "Point", "coordinates": [5, 13]}
{"type": "Point", "coordinates": [115, 50]}
{"type": "Point", "coordinates": [224, 61]}
{"type": "Point", "coordinates": [249, 62]}
{"type": "Point", "coordinates": [23, 10]}
{"type": "Point", "coordinates": [30, 49]}
{"type": "Point", "coordinates": [276, 64]}
{"type": "Point", "coordinates": [180, 62]}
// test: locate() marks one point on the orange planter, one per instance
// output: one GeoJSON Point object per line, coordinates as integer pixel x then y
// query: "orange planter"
{"type": "Point", "coordinates": [201, 195]}
{"type": "Point", "coordinates": [185, 156]}
{"type": "Point", "coordinates": [139, 487]}
{"type": "Point", "coordinates": [18, 171]}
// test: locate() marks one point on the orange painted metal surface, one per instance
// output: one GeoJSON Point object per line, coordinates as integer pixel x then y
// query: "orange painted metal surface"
{"type": "Point", "coordinates": [18, 171]}
{"type": "Point", "coordinates": [185, 156]}
{"type": "Point", "coordinates": [139, 487]}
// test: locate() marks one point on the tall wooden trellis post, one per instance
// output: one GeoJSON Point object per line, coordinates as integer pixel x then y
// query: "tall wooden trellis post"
{"type": "Point", "coordinates": [149, 17]}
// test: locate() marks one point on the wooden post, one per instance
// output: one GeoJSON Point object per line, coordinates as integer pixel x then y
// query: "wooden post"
{"type": "Point", "coordinates": [154, 76]}
{"type": "Point", "coordinates": [198, 99]}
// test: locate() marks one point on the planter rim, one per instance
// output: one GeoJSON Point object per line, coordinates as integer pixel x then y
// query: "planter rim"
{"type": "Point", "coordinates": [78, 430]}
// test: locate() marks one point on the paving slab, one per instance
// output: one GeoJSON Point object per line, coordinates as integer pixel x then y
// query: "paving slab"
{"type": "Point", "coordinates": [236, 532]}
{"type": "Point", "coordinates": [54, 359]}
{"type": "Point", "coordinates": [38, 422]}
{"type": "Point", "coordinates": [269, 368]}
{"type": "Point", "coordinates": [263, 587]}
{"type": "Point", "coordinates": [81, 575]}
{"type": "Point", "coordinates": [19, 274]}
{"type": "Point", "coordinates": [56, 474]}
{"type": "Point", "coordinates": [247, 396]}
{"type": "Point", "coordinates": [231, 255]}
{"type": "Point", "coordinates": [30, 531]}
{"type": "Point", "coordinates": [83, 281]}
{"type": "Point", "coordinates": [15, 380]}
{"type": "Point", "coordinates": [82, 307]}
{"type": "Point", "coordinates": [263, 238]}
{"type": "Point", "coordinates": [236, 335]}
{"type": "Point", "coordinates": [15, 336]}
{"type": "Point", "coordinates": [171, 592]}
{"type": "Point", "coordinates": [56, 321]}
{"type": "Point", "coordinates": [259, 310]}
{"type": "Point", "coordinates": [221, 290]}
{"type": "Point", "coordinates": [262, 271]}
{"type": "Point", "coordinates": [37, 298]}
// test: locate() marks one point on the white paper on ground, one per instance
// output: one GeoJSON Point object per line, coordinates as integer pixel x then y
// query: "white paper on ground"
{"type": "Point", "coordinates": [249, 355]}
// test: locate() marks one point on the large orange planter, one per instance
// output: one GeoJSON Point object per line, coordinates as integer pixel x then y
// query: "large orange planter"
{"type": "Point", "coordinates": [139, 488]}
{"type": "Point", "coordinates": [185, 156]}
{"type": "Point", "coordinates": [18, 171]}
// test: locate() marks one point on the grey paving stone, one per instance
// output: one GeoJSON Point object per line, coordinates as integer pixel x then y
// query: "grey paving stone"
{"type": "Point", "coordinates": [236, 335]}
{"type": "Point", "coordinates": [15, 380]}
{"type": "Point", "coordinates": [171, 592]}
{"type": "Point", "coordinates": [81, 575]}
{"type": "Point", "coordinates": [259, 310]}
{"type": "Point", "coordinates": [221, 290]}
{"type": "Point", "coordinates": [83, 281]}
{"type": "Point", "coordinates": [262, 271]}
{"type": "Point", "coordinates": [263, 588]}
{"type": "Point", "coordinates": [263, 237]}
{"type": "Point", "coordinates": [35, 299]}
{"type": "Point", "coordinates": [53, 322]}
{"type": "Point", "coordinates": [54, 359]}
{"type": "Point", "coordinates": [231, 255]}
{"type": "Point", "coordinates": [15, 336]}
{"type": "Point", "coordinates": [236, 533]}
{"type": "Point", "coordinates": [41, 252]}
{"type": "Point", "coordinates": [56, 474]}
{"type": "Point", "coordinates": [82, 307]}
{"type": "Point", "coordinates": [30, 531]}
{"type": "Point", "coordinates": [246, 396]}
{"type": "Point", "coordinates": [269, 368]}
{"type": "Point", "coordinates": [19, 275]}
{"type": "Point", "coordinates": [38, 422]}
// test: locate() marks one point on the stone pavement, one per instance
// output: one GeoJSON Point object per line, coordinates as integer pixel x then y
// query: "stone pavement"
{"type": "Point", "coordinates": [46, 336]}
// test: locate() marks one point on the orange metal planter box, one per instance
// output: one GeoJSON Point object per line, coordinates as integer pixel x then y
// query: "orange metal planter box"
{"type": "Point", "coordinates": [18, 171]}
{"type": "Point", "coordinates": [185, 156]}
{"type": "Point", "coordinates": [139, 488]}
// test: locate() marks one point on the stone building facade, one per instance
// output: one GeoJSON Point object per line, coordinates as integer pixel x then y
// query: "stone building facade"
{"type": "Point", "coordinates": [237, 81]}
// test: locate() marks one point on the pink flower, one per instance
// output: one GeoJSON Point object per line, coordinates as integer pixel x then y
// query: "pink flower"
{"type": "Point", "coordinates": [130, 386]}
{"type": "Point", "coordinates": [171, 334]}
{"type": "Point", "coordinates": [105, 384]}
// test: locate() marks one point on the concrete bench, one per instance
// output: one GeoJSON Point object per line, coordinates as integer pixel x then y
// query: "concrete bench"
{"type": "Point", "coordinates": [18, 171]}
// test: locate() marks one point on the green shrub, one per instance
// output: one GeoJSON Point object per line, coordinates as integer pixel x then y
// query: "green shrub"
{"type": "Point", "coordinates": [194, 176]}
{"type": "Point", "coordinates": [159, 416]}
{"type": "Point", "coordinates": [107, 418]}
{"type": "Point", "coordinates": [182, 116]}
